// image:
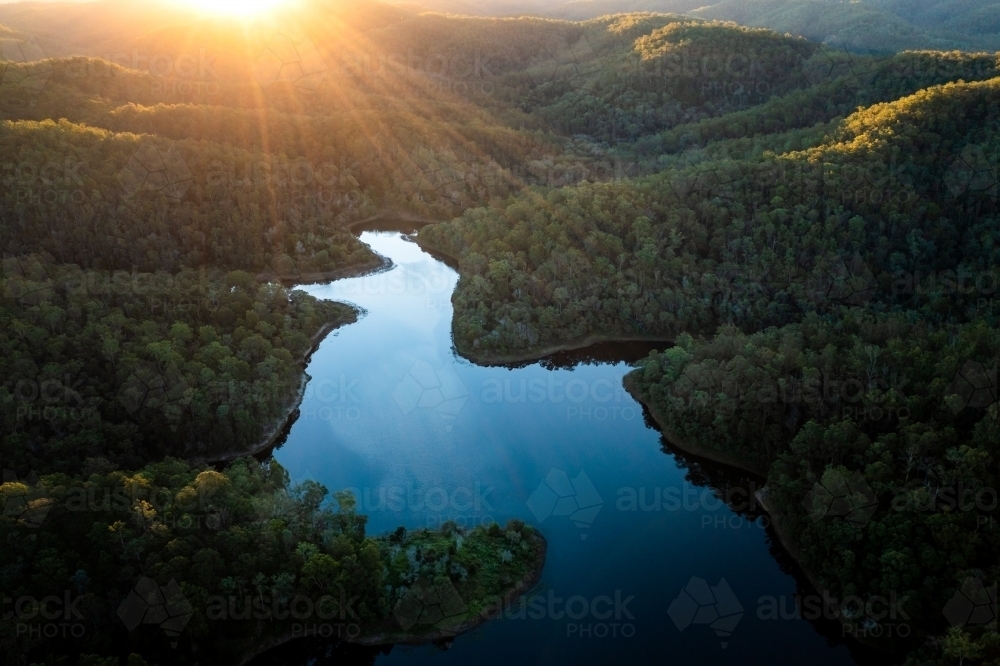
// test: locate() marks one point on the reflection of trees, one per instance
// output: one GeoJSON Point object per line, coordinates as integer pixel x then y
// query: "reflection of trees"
{"type": "Point", "coordinates": [726, 482]}
{"type": "Point", "coordinates": [733, 486]}
{"type": "Point", "coordinates": [602, 353]}
{"type": "Point", "coordinates": [831, 630]}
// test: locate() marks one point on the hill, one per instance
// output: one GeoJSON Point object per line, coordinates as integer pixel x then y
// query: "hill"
{"type": "Point", "coordinates": [868, 259]}
{"type": "Point", "coordinates": [859, 26]}
{"type": "Point", "coordinates": [876, 26]}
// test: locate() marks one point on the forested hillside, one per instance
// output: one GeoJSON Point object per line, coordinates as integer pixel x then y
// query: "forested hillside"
{"type": "Point", "coordinates": [972, 17]}
{"type": "Point", "coordinates": [753, 242]}
{"type": "Point", "coordinates": [863, 26]}
{"type": "Point", "coordinates": [865, 257]}
{"type": "Point", "coordinates": [872, 26]}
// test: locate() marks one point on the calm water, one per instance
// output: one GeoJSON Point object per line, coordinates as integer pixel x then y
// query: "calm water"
{"type": "Point", "coordinates": [423, 436]}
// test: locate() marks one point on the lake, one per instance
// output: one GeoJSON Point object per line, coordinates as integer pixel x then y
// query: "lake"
{"type": "Point", "coordinates": [646, 564]}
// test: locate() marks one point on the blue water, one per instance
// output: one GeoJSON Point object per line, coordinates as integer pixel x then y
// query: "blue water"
{"type": "Point", "coordinates": [422, 436]}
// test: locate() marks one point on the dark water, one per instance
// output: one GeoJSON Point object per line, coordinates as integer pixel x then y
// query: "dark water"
{"type": "Point", "coordinates": [423, 436]}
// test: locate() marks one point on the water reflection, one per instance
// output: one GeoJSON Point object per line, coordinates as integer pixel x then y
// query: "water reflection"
{"type": "Point", "coordinates": [602, 353]}
{"type": "Point", "coordinates": [422, 436]}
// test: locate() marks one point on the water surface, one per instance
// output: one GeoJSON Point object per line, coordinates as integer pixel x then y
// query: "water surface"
{"type": "Point", "coordinates": [422, 436]}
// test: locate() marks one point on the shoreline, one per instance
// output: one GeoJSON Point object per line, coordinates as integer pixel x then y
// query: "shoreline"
{"type": "Point", "coordinates": [776, 519]}
{"type": "Point", "coordinates": [393, 216]}
{"type": "Point", "coordinates": [281, 424]}
{"type": "Point", "coordinates": [686, 447]}
{"type": "Point", "coordinates": [358, 270]}
{"type": "Point", "coordinates": [535, 353]}
{"type": "Point", "coordinates": [538, 353]}
{"type": "Point", "coordinates": [784, 540]}
{"type": "Point", "coordinates": [528, 581]}
{"type": "Point", "coordinates": [383, 638]}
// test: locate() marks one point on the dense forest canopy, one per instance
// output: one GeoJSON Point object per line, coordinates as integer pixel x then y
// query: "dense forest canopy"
{"type": "Point", "coordinates": [790, 210]}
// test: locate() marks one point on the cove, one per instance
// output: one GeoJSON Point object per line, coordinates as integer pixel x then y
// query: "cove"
{"type": "Point", "coordinates": [653, 556]}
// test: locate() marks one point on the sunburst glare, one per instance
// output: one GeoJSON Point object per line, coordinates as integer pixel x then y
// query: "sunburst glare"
{"type": "Point", "coordinates": [235, 7]}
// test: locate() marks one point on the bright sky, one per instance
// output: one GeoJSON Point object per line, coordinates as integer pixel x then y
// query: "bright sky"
{"type": "Point", "coordinates": [233, 7]}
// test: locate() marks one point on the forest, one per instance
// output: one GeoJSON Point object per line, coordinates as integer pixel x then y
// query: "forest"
{"type": "Point", "coordinates": [225, 563]}
{"type": "Point", "coordinates": [868, 26]}
{"type": "Point", "coordinates": [832, 305]}
{"type": "Point", "coordinates": [786, 214]}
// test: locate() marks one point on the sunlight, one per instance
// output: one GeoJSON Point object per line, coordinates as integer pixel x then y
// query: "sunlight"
{"type": "Point", "coordinates": [235, 7]}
